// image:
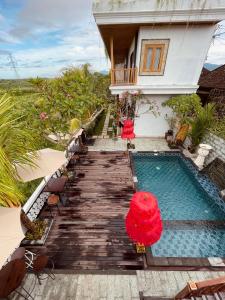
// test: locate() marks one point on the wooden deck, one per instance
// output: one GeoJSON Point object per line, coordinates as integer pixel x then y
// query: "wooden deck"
{"type": "Point", "coordinates": [89, 234]}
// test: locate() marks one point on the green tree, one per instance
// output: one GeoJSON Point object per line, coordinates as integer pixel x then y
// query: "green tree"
{"type": "Point", "coordinates": [185, 106]}
{"type": "Point", "coordinates": [201, 123]}
{"type": "Point", "coordinates": [75, 95]}
{"type": "Point", "coordinates": [15, 144]}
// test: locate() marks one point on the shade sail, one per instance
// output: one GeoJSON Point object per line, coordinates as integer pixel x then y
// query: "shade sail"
{"type": "Point", "coordinates": [46, 163]}
{"type": "Point", "coordinates": [11, 232]}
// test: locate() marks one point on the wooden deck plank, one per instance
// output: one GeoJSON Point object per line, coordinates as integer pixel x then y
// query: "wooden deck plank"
{"type": "Point", "coordinates": [89, 233]}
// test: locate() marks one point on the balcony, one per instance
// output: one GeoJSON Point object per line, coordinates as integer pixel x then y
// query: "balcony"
{"type": "Point", "coordinates": [123, 76]}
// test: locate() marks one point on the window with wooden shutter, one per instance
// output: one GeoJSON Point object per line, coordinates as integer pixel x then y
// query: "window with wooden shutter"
{"type": "Point", "coordinates": [153, 57]}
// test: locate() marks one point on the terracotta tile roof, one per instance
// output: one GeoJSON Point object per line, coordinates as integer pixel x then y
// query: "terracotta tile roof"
{"type": "Point", "coordinates": [213, 79]}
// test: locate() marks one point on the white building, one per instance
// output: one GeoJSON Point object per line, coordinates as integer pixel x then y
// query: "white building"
{"type": "Point", "coordinates": [158, 47]}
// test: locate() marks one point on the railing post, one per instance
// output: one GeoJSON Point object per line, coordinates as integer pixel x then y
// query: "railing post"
{"type": "Point", "coordinates": [123, 76]}
{"type": "Point", "coordinates": [187, 291]}
{"type": "Point", "coordinates": [112, 76]}
{"type": "Point", "coordinates": [112, 59]}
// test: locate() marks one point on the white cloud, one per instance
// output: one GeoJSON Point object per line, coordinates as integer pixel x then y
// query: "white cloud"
{"type": "Point", "coordinates": [51, 14]}
{"type": "Point", "coordinates": [69, 22]}
{"type": "Point", "coordinates": [49, 61]}
{"type": "Point", "coordinates": [1, 18]}
{"type": "Point", "coordinates": [216, 54]}
{"type": "Point", "coordinates": [5, 37]}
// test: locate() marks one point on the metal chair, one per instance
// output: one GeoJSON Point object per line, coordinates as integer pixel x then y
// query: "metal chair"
{"type": "Point", "coordinates": [53, 200]}
{"type": "Point", "coordinates": [11, 277]}
{"type": "Point", "coordinates": [39, 267]}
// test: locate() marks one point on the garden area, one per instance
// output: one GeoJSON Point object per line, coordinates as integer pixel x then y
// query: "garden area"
{"type": "Point", "coordinates": [192, 120]}
{"type": "Point", "coordinates": [43, 113]}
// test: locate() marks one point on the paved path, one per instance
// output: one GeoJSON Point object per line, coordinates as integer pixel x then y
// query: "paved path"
{"type": "Point", "coordinates": [169, 283]}
{"type": "Point", "coordinates": [85, 287]}
{"type": "Point", "coordinates": [141, 144]}
{"type": "Point", "coordinates": [114, 287]}
{"type": "Point", "coordinates": [106, 124]}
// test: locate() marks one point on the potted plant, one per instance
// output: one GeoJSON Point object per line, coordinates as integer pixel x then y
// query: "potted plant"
{"type": "Point", "coordinates": [185, 108]}
{"type": "Point", "coordinates": [38, 232]}
{"type": "Point", "coordinates": [169, 133]}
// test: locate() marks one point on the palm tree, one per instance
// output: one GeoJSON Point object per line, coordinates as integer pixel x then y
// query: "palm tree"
{"type": "Point", "coordinates": [201, 124]}
{"type": "Point", "coordinates": [15, 143]}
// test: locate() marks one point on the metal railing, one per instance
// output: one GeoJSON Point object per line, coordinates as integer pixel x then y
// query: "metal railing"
{"type": "Point", "coordinates": [123, 76]}
{"type": "Point", "coordinates": [199, 288]}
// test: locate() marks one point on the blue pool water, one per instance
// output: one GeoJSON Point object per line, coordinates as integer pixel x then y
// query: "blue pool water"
{"type": "Point", "coordinates": [181, 198]}
{"type": "Point", "coordinates": [203, 242]}
{"type": "Point", "coordinates": [179, 194]}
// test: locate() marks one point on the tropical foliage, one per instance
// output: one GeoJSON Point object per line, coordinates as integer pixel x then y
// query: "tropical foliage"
{"type": "Point", "coordinates": [62, 104]}
{"type": "Point", "coordinates": [36, 108]}
{"type": "Point", "coordinates": [189, 110]}
{"type": "Point", "coordinates": [185, 107]}
{"type": "Point", "coordinates": [15, 144]}
{"type": "Point", "coordinates": [201, 123]}
{"type": "Point", "coordinates": [218, 128]}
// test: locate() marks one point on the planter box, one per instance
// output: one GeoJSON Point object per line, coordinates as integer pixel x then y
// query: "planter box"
{"type": "Point", "coordinates": [44, 237]}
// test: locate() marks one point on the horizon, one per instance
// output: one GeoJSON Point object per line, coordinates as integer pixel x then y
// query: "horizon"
{"type": "Point", "coordinates": [40, 39]}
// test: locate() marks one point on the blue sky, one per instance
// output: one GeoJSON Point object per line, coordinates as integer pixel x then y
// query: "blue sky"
{"type": "Point", "coordinates": [44, 36]}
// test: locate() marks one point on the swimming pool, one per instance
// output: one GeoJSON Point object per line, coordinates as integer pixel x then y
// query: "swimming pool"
{"type": "Point", "coordinates": [183, 195]}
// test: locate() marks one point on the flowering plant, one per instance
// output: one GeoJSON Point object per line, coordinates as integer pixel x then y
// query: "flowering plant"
{"type": "Point", "coordinates": [43, 116]}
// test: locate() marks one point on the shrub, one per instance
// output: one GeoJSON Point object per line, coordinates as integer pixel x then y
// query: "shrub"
{"type": "Point", "coordinates": [185, 106]}
{"type": "Point", "coordinates": [218, 128]}
{"type": "Point", "coordinates": [201, 123]}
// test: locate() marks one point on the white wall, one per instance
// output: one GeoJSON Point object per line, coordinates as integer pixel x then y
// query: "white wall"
{"type": "Point", "coordinates": [187, 52]}
{"type": "Point", "coordinates": [147, 124]}
{"type": "Point", "coordinates": [218, 147]}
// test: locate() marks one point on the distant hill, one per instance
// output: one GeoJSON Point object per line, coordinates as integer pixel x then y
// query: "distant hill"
{"type": "Point", "coordinates": [8, 84]}
{"type": "Point", "coordinates": [104, 72]}
{"type": "Point", "coordinates": [211, 67]}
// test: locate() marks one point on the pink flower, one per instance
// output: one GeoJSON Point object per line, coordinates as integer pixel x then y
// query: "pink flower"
{"type": "Point", "coordinates": [43, 116]}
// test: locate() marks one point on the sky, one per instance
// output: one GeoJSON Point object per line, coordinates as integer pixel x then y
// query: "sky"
{"type": "Point", "coordinates": [41, 37]}
{"type": "Point", "coordinates": [45, 36]}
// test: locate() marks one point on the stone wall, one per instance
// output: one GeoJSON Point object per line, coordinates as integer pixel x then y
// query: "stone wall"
{"type": "Point", "coordinates": [218, 145]}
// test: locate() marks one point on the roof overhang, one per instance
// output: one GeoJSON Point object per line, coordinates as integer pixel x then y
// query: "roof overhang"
{"type": "Point", "coordinates": [157, 11]}
{"type": "Point", "coordinates": [122, 35]}
{"type": "Point", "coordinates": [212, 15]}
{"type": "Point", "coordinates": [155, 90]}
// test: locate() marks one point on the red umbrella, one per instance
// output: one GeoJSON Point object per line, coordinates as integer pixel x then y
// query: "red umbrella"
{"type": "Point", "coordinates": [128, 130]}
{"type": "Point", "coordinates": [143, 221]}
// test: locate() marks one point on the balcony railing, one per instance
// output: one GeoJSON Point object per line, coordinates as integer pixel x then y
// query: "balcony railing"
{"type": "Point", "coordinates": [124, 76]}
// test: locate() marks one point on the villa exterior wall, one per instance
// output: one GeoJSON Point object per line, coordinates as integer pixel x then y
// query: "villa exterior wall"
{"type": "Point", "coordinates": [145, 11]}
{"type": "Point", "coordinates": [218, 145]}
{"type": "Point", "coordinates": [188, 47]}
{"type": "Point", "coordinates": [187, 51]}
{"type": "Point", "coordinates": [146, 124]}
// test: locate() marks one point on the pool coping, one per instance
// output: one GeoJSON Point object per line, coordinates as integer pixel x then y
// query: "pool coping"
{"type": "Point", "coordinates": [179, 263]}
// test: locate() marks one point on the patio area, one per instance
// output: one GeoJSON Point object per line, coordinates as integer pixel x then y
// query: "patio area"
{"type": "Point", "coordinates": [89, 233]}
{"type": "Point", "coordinates": [141, 144]}
{"type": "Point", "coordinates": [153, 284]}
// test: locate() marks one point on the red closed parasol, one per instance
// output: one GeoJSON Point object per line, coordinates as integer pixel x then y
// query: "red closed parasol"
{"type": "Point", "coordinates": [143, 221]}
{"type": "Point", "coordinates": [128, 130]}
